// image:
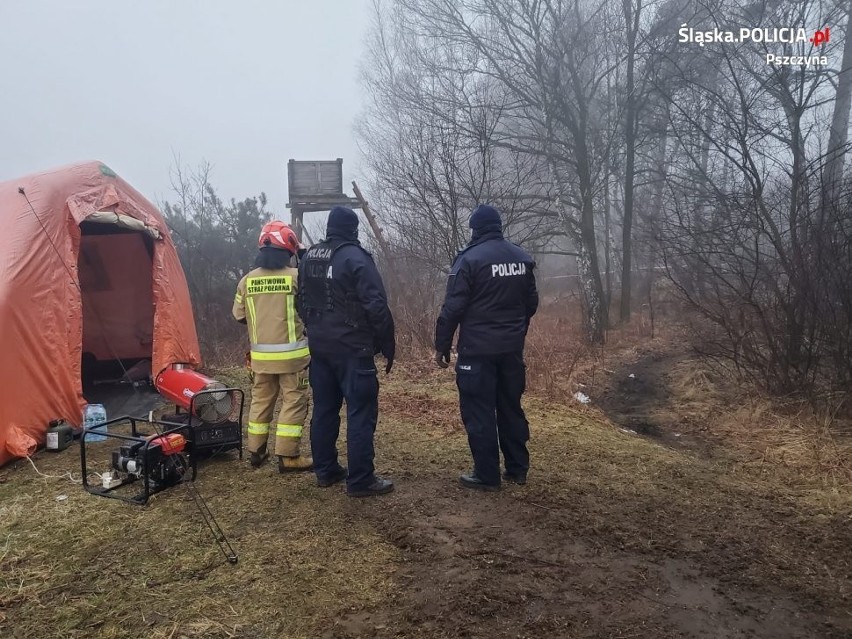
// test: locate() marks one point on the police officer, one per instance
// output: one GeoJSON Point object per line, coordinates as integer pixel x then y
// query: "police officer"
{"type": "Point", "coordinates": [344, 306]}
{"type": "Point", "coordinates": [491, 295]}
{"type": "Point", "coordinates": [266, 302]}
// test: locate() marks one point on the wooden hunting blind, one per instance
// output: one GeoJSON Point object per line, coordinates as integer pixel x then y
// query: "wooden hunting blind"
{"type": "Point", "coordinates": [315, 185]}
{"type": "Point", "coordinates": [310, 181]}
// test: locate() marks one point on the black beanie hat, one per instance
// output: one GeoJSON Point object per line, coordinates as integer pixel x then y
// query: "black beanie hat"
{"type": "Point", "coordinates": [485, 217]}
{"type": "Point", "coordinates": [342, 222]}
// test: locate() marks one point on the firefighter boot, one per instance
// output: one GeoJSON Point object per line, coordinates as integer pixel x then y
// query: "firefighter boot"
{"type": "Point", "coordinates": [294, 464]}
{"type": "Point", "coordinates": [264, 393]}
{"type": "Point", "coordinates": [290, 458]}
{"type": "Point", "coordinates": [256, 460]}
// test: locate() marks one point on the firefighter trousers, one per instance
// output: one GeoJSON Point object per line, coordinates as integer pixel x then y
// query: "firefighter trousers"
{"type": "Point", "coordinates": [490, 390]}
{"type": "Point", "coordinates": [265, 390]}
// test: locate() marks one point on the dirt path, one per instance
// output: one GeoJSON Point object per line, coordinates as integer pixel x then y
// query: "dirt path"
{"type": "Point", "coordinates": [510, 566]}
{"type": "Point", "coordinates": [614, 536]}
{"type": "Point", "coordinates": [639, 399]}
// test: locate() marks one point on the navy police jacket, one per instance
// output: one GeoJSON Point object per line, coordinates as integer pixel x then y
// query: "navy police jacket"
{"type": "Point", "coordinates": [342, 301]}
{"type": "Point", "coordinates": [491, 294]}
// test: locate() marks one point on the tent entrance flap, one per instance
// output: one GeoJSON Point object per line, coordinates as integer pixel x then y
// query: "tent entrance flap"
{"type": "Point", "coordinates": [116, 285]}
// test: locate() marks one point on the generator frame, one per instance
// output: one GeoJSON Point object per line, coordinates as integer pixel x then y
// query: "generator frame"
{"type": "Point", "coordinates": [136, 437]}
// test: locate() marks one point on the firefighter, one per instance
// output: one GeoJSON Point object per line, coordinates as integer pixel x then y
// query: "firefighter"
{"type": "Point", "coordinates": [491, 296]}
{"type": "Point", "coordinates": [344, 306]}
{"type": "Point", "coordinates": [266, 301]}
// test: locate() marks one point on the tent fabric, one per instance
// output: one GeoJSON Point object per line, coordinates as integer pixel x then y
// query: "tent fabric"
{"type": "Point", "coordinates": [41, 310]}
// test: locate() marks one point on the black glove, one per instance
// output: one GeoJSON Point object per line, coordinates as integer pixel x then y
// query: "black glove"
{"type": "Point", "coordinates": [442, 359]}
{"type": "Point", "coordinates": [389, 352]}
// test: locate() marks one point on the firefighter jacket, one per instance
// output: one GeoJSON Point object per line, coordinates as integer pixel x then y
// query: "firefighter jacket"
{"type": "Point", "coordinates": [266, 300]}
{"type": "Point", "coordinates": [491, 294]}
{"type": "Point", "coordinates": [343, 301]}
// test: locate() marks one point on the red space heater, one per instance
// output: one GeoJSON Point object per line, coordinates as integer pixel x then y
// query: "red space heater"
{"type": "Point", "coordinates": [212, 409]}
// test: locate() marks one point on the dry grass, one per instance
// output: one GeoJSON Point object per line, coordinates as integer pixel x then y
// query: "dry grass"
{"type": "Point", "coordinates": [703, 398]}
{"type": "Point", "coordinates": [87, 566]}
{"type": "Point", "coordinates": [772, 434]}
{"type": "Point", "coordinates": [560, 361]}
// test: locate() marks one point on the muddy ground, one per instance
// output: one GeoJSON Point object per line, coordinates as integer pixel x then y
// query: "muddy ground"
{"type": "Point", "coordinates": [616, 535]}
{"type": "Point", "coordinates": [638, 397]}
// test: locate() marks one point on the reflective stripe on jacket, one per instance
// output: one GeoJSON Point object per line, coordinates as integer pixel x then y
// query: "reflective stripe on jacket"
{"type": "Point", "coordinates": [266, 300]}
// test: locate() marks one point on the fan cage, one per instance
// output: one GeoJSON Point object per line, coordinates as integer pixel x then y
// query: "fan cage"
{"type": "Point", "coordinates": [216, 404]}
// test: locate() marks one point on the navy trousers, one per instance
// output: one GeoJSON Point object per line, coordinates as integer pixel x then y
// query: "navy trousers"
{"type": "Point", "coordinates": [490, 389]}
{"type": "Point", "coordinates": [332, 381]}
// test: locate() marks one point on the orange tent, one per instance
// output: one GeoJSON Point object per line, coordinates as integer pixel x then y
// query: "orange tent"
{"type": "Point", "coordinates": [87, 270]}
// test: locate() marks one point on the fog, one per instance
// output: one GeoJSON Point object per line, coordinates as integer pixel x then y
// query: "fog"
{"type": "Point", "coordinates": [244, 85]}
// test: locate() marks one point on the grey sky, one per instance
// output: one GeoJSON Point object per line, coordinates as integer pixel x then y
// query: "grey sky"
{"type": "Point", "coordinates": [244, 84]}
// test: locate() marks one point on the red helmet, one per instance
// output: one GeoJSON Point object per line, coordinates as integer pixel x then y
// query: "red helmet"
{"type": "Point", "coordinates": [279, 235]}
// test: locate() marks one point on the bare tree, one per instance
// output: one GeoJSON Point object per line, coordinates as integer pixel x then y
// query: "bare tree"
{"type": "Point", "coordinates": [748, 139]}
{"type": "Point", "coordinates": [584, 119]}
{"type": "Point", "coordinates": [524, 76]}
{"type": "Point", "coordinates": [217, 243]}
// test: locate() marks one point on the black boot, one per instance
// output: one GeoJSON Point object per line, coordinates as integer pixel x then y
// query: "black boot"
{"type": "Point", "coordinates": [472, 481]}
{"type": "Point", "coordinates": [378, 487]}
{"type": "Point", "coordinates": [338, 476]}
{"type": "Point", "coordinates": [256, 460]}
{"type": "Point", "coordinates": [518, 479]}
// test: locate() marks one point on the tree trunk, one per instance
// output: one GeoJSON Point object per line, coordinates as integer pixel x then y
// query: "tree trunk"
{"type": "Point", "coordinates": [652, 220]}
{"type": "Point", "coordinates": [839, 134]}
{"type": "Point", "coordinates": [660, 167]}
{"type": "Point", "coordinates": [595, 312]}
{"type": "Point", "coordinates": [607, 242]}
{"type": "Point", "coordinates": [590, 276]}
{"type": "Point", "coordinates": [701, 204]}
{"type": "Point", "coordinates": [631, 20]}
